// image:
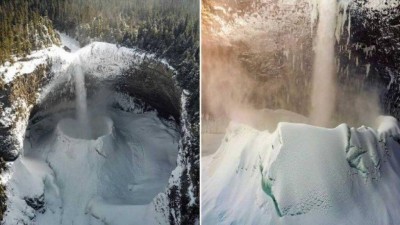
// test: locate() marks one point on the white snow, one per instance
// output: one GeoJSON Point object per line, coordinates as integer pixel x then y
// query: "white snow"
{"type": "Point", "coordinates": [103, 60]}
{"type": "Point", "coordinates": [213, 131]}
{"type": "Point", "coordinates": [9, 71]}
{"type": "Point", "coordinates": [301, 174]}
{"type": "Point", "coordinates": [111, 178]}
{"type": "Point", "coordinates": [69, 42]}
{"type": "Point", "coordinates": [7, 117]}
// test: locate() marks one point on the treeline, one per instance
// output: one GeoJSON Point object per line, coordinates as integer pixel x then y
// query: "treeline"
{"type": "Point", "coordinates": [169, 28]}
{"type": "Point", "coordinates": [22, 29]}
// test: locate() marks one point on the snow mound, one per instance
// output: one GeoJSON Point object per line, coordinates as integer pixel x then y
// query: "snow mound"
{"type": "Point", "coordinates": [113, 177]}
{"type": "Point", "coordinates": [301, 174]}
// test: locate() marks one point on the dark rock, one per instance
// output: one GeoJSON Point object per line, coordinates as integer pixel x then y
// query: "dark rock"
{"type": "Point", "coordinates": [36, 203]}
{"type": "Point", "coordinates": [66, 49]}
{"type": "Point", "coordinates": [9, 151]}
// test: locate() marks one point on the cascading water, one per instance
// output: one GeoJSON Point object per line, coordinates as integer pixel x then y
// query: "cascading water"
{"type": "Point", "coordinates": [81, 101]}
{"type": "Point", "coordinates": [324, 83]}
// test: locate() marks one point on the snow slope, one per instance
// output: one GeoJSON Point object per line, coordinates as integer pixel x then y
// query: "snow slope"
{"type": "Point", "coordinates": [213, 130]}
{"type": "Point", "coordinates": [301, 174]}
{"type": "Point", "coordinates": [110, 178]}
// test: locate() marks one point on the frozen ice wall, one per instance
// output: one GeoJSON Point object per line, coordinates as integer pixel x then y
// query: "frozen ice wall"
{"type": "Point", "coordinates": [301, 174]}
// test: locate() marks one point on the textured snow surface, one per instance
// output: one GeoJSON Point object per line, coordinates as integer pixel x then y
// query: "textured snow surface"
{"type": "Point", "coordinates": [301, 174]}
{"type": "Point", "coordinates": [29, 63]}
{"type": "Point", "coordinates": [103, 60]}
{"type": "Point", "coordinates": [109, 179]}
{"type": "Point", "coordinates": [69, 42]}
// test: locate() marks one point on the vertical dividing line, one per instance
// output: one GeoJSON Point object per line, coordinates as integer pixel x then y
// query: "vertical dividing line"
{"type": "Point", "coordinates": [200, 102]}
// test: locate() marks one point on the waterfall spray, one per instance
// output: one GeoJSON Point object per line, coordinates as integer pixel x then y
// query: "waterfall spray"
{"type": "Point", "coordinates": [81, 103]}
{"type": "Point", "coordinates": [324, 82]}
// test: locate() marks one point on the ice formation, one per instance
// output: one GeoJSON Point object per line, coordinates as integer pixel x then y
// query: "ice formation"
{"type": "Point", "coordinates": [301, 174]}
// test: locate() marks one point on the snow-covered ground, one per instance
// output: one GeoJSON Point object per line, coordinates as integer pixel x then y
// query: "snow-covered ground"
{"type": "Point", "coordinates": [29, 63]}
{"type": "Point", "coordinates": [119, 171]}
{"type": "Point", "coordinates": [214, 130]}
{"type": "Point", "coordinates": [101, 59]}
{"type": "Point", "coordinates": [301, 174]}
{"type": "Point", "coordinates": [115, 176]}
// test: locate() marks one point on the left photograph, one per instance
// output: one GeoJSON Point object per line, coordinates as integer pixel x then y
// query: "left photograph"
{"type": "Point", "coordinates": [99, 112]}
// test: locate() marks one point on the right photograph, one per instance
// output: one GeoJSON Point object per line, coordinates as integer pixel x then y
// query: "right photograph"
{"type": "Point", "coordinates": [300, 101]}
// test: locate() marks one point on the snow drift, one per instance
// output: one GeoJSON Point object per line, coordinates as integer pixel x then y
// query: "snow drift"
{"type": "Point", "coordinates": [301, 174]}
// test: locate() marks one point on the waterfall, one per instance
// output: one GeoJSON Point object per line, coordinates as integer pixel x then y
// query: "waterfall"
{"type": "Point", "coordinates": [81, 101]}
{"type": "Point", "coordinates": [324, 77]}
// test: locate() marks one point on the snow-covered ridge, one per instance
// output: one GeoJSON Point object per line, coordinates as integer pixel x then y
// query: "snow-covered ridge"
{"type": "Point", "coordinates": [301, 174]}
{"type": "Point", "coordinates": [103, 60]}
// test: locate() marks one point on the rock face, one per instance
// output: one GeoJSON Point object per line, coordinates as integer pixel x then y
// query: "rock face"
{"type": "Point", "coordinates": [18, 98]}
{"type": "Point", "coordinates": [267, 49]}
{"type": "Point", "coordinates": [268, 46]}
{"type": "Point", "coordinates": [148, 84]}
{"type": "Point", "coordinates": [368, 51]}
